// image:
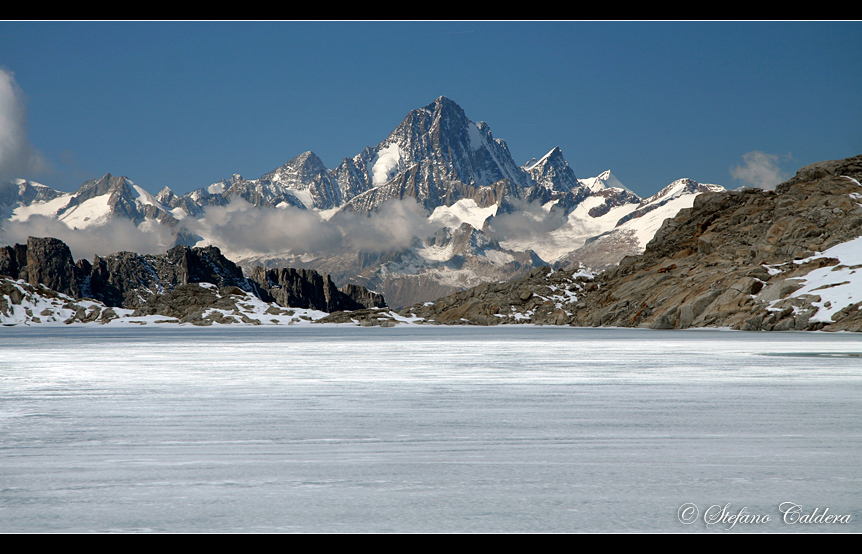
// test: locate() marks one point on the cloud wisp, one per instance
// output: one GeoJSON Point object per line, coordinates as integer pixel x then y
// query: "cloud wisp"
{"type": "Point", "coordinates": [525, 221]}
{"type": "Point", "coordinates": [760, 170]}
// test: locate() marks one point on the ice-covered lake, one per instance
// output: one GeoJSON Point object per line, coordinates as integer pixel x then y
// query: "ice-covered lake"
{"type": "Point", "coordinates": [426, 429]}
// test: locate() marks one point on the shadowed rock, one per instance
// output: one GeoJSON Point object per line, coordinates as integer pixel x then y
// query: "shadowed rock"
{"type": "Point", "coordinates": [306, 288]}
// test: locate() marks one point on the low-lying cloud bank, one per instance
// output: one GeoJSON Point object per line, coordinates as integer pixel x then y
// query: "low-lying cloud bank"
{"type": "Point", "coordinates": [241, 229]}
{"type": "Point", "coordinates": [240, 226]}
{"type": "Point", "coordinates": [114, 236]}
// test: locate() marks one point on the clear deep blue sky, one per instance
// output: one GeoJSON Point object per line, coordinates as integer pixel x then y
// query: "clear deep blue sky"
{"type": "Point", "coordinates": [186, 104]}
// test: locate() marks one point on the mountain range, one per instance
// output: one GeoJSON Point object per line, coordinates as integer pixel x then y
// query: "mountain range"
{"type": "Point", "coordinates": [747, 259]}
{"type": "Point", "coordinates": [436, 207]}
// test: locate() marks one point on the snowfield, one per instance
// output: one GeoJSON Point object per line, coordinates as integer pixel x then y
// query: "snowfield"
{"type": "Point", "coordinates": [837, 286]}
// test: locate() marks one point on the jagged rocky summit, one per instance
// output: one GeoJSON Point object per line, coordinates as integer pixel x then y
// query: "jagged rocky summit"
{"type": "Point", "coordinates": [187, 285]}
{"type": "Point", "coordinates": [750, 259]}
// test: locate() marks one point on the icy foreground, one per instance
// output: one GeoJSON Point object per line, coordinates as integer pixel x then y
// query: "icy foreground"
{"type": "Point", "coordinates": [417, 428]}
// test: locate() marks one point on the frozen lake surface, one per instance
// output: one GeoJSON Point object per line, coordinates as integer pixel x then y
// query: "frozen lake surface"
{"type": "Point", "coordinates": [425, 429]}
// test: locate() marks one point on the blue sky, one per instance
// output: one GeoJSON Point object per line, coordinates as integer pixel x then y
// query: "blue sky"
{"type": "Point", "coordinates": [186, 104]}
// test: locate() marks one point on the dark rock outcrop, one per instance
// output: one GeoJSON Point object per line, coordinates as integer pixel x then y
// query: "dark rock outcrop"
{"type": "Point", "coordinates": [363, 297]}
{"type": "Point", "coordinates": [13, 261]}
{"type": "Point", "coordinates": [49, 262]}
{"type": "Point", "coordinates": [129, 280]}
{"type": "Point", "coordinates": [46, 261]}
{"type": "Point", "coordinates": [306, 288]}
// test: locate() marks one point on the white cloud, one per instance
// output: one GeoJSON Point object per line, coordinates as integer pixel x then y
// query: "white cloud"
{"type": "Point", "coordinates": [393, 227]}
{"type": "Point", "coordinates": [760, 170]}
{"type": "Point", "coordinates": [241, 227]}
{"type": "Point", "coordinates": [18, 158]}
{"type": "Point", "coordinates": [525, 221]}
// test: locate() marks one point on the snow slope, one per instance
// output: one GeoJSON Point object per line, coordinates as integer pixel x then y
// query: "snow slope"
{"type": "Point", "coordinates": [837, 286]}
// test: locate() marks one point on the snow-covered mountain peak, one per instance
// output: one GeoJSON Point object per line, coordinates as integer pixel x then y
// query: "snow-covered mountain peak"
{"type": "Point", "coordinates": [555, 151]}
{"type": "Point", "coordinates": [94, 204]}
{"type": "Point", "coordinates": [24, 183]}
{"type": "Point", "coordinates": [165, 195]}
{"type": "Point", "coordinates": [24, 192]}
{"type": "Point", "coordinates": [604, 180]}
{"type": "Point", "coordinates": [297, 172]}
{"type": "Point", "coordinates": [305, 163]}
{"type": "Point", "coordinates": [555, 154]}
{"type": "Point", "coordinates": [681, 187]}
{"type": "Point", "coordinates": [462, 177]}
{"type": "Point", "coordinates": [552, 172]}
{"type": "Point", "coordinates": [115, 187]}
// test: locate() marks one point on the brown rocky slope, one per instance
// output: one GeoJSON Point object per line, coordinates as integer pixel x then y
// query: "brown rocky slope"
{"type": "Point", "coordinates": [733, 260]}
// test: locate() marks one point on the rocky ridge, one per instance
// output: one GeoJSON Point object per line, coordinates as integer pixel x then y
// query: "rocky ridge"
{"type": "Point", "coordinates": [182, 284]}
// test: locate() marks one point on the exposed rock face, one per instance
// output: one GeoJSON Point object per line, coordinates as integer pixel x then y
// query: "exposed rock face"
{"type": "Point", "coordinates": [732, 260]}
{"type": "Point", "coordinates": [49, 262]}
{"type": "Point", "coordinates": [552, 172]}
{"type": "Point", "coordinates": [13, 261]}
{"type": "Point", "coordinates": [615, 197]}
{"type": "Point", "coordinates": [46, 261]}
{"type": "Point", "coordinates": [306, 172]}
{"type": "Point", "coordinates": [363, 297]}
{"type": "Point", "coordinates": [306, 288]}
{"type": "Point", "coordinates": [129, 280]}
